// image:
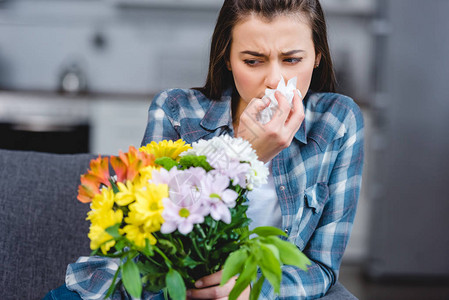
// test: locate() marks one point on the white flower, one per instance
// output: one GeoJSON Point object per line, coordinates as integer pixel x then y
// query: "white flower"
{"type": "Point", "coordinates": [223, 151]}
{"type": "Point", "coordinates": [257, 175]}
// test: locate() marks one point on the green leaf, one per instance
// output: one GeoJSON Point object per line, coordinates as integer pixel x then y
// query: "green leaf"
{"type": "Point", "coordinates": [257, 288]}
{"type": "Point", "coordinates": [114, 186]}
{"type": "Point", "coordinates": [249, 272]}
{"type": "Point", "coordinates": [148, 249]}
{"type": "Point", "coordinates": [190, 263]}
{"type": "Point", "coordinates": [168, 247]}
{"type": "Point", "coordinates": [121, 243]}
{"type": "Point", "coordinates": [274, 250]}
{"type": "Point", "coordinates": [175, 285]}
{"type": "Point", "coordinates": [95, 252]}
{"type": "Point", "coordinates": [270, 267]}
{"type": "Point", "coordinates": [268, 230]}
{"type": "Point", "coordinates": [188, 161]}
{"type": "Point", "coordinates": [148, 267]}
{"type": "Point", "coordinates": [233, 265]}
{"type": "Point", "coordinates": [289, 253]}
{"type": "Point", "coordinates": [166, 162]}
{"type": "Point", "coordinates": [131, 278]}
{"type": "Point", "coordinates": [113, 231]}
{"type": "Point", "coordinates": [154, 282]}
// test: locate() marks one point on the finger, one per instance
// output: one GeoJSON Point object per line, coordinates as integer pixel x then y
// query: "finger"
{"type": "Point", "coordinates": [208, 293]}
{"type": "Point", "coordinates": [214, 291]}
{"type": "Point", "coordinates": [296, 102]}
{"type": "Point", "coordinates": [250, 116]}
{"type": "Point", "coordinates": [257, 105]}
{"type": "Point", "coordinates": [209, 280]}
{"type": "Point", "coordinates": [297, 114]}
{"type": "Point", "coordinates": [282, 111]}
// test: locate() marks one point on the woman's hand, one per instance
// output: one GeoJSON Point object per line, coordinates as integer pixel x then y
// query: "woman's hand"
{"type": "Point", "coordinates": [271, 138]}
{"type": "Point", "coordinates": [209, 287]}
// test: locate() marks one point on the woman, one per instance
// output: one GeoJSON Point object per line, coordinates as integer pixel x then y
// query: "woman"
{"type": "Point", "coordinates": [314, 147]}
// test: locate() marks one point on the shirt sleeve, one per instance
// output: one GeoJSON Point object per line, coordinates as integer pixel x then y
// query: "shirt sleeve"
{"type": "Point", "coordinates": [327, 244]}
{"type": "Point", "coordinates": [161, 124]}
{"type": "Point", "coordinates": [91, 276]}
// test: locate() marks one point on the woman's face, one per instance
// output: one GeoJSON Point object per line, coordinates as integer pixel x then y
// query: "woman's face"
{"type": "Point", "coordinates": [262, 52]}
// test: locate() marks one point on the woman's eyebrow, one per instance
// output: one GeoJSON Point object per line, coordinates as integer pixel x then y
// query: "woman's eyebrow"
{"type": "Point", "coordinates": [253, 53]}
{"type": "Point", "coordinates": [257, 54]}
{"type": "Point", "coordinates": [291, 52]}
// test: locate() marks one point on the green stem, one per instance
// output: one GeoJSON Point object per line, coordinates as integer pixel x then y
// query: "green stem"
{"type": "Point", "coordinates": [153, 261]}
{"type": "Point", "coordinates": [195, 246]}
{"type": "Point", "coordinates": [113, 284]}
{"type": "Point", "coordinates": [167, 261]}
{"type": "Point", "coordinates": [203, 235]}
{"type": "Point", "coordinates": [214, 240]}
{"type": "Point", "coordinates": [213, 228]}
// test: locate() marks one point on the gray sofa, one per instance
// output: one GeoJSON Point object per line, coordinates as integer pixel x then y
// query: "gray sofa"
{"type": "Point", "coordinates": [43, 226]}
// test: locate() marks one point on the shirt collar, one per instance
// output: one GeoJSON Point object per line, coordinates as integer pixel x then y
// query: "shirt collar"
{"type": "Point", "coordinates": [219, 112]}
{"type": "Point", "coordinates": [301, 134]}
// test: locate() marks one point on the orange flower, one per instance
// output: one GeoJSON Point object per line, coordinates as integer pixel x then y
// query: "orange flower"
{"type": "Point", "coordinates": [88, 188]}
{"type": "Point", "coordinates": [90, 182]}
{"type": "Point", "coordinates": [127, 165]}
{"type": "Point", "coordinates": [99, 167]}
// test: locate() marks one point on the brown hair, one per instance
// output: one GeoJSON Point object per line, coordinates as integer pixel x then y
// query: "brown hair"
{"type": "Point", "coordinates": [220, 78]}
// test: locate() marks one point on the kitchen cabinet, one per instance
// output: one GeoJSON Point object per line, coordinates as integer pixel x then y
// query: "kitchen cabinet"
{"type": "Point", "coordinates": [117, 123]}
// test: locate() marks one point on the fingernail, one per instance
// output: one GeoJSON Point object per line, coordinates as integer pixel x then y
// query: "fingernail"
{"type": "Point", "coordinates": [199, 284]}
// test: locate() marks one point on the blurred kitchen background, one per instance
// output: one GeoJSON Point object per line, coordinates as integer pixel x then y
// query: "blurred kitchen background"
{"type": "Point", "coordinates": [79, 75]}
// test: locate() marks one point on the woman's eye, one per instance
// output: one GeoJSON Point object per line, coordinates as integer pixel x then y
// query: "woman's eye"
{"type": "Point", "coordinates": [251, 62]}
{"type": "Point", "coordinates": [293, 60]}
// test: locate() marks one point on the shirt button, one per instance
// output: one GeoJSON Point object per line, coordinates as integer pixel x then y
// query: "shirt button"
{"type": "Point", "coordinates": [286, 230]}
{"type": "Point", "coordinates": [282, 187]}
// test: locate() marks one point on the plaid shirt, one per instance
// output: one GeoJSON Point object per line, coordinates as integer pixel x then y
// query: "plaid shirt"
{"type": "Point", "coordinates": [317, 180]}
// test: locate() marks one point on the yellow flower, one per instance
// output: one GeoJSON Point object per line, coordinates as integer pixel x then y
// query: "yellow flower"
{"type": "Point", "coordinates": [97, 231]}
{"type": "Point", "coordinates": [126, 194]}
{"type": "Point", "coordinates": [166, 148]}
{"type": "Point", "coordinates": [137, 234]}
{"type": "Point", "coordinates": [101, 202]}
{"type": "Point", "coordinates": [145, 175]}
{"type": "Point", "coordinates": [147, 209]}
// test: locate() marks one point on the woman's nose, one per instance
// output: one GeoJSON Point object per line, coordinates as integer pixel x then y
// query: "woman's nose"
{"type": "Point", "coordinates": [273, 76]}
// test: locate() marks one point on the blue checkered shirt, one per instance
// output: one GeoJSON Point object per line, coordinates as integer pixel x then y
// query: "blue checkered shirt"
{"type": "Point", "coordinates": [317, 180]}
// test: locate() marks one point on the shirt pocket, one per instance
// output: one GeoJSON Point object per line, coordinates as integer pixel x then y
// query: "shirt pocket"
{"type": "Point", "coordinates": [309, 213]}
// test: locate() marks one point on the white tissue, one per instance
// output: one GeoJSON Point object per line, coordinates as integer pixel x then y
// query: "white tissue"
{"type": "Point", "coordinates": [287, 90]}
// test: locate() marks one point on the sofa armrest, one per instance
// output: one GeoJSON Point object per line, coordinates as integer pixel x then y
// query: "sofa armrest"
{"type": "Point", "coordinates": [43, 224]}
{"type": "Point", "coordinates": [338, 292]}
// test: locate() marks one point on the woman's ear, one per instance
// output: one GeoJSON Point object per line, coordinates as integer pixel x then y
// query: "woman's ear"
{"type": "Point", "coordinates": [317, 60]}
{"type": "Point", "coordinates": [228, 65]}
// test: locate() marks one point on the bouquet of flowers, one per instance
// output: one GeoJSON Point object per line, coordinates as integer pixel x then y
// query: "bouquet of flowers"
{"type": "Point", "coordinates": [173, 213]}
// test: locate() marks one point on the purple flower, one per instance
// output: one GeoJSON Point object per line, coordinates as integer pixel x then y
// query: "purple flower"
{"type": "Point", "coordinates": [181, 217]}
{"type": "Point", "coordinates": [229, 166]}
{"type": "Point", "coordinates": [162, 176]}
{"type": "Point", "coordinates": [183, 185]}
{"type": "Point", "coordinates": [236, 172]}
{"type": "Point", "coordinates": [217, 197]}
